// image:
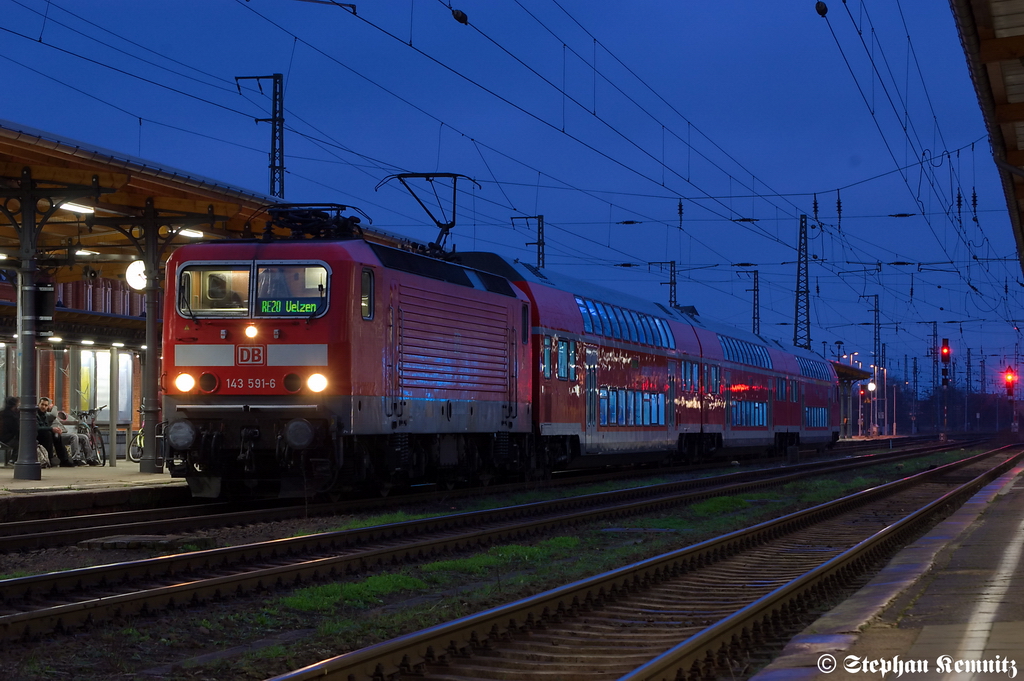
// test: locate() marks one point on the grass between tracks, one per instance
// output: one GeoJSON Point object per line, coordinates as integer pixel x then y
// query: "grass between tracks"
{"type": "Point", "coordinates": [329, 619]}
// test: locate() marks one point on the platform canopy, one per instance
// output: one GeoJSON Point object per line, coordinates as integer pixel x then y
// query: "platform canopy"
{"type": "Point", "coordinates": [992, 33]}
{"type": "Point", "coordinates": [845, 372]}
{"type": "Point", "coordinates": [69, 247]}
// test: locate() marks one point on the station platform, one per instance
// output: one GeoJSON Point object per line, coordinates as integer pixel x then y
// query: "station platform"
{"type": "Point", "coordinates": [85, 489]}
{"type": "Point", "coordinates": [949, 606]}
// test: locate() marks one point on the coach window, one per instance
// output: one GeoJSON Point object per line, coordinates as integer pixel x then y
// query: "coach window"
{"type": "Point", "coordinates": [628, 329]}
{"type": "Point", "coordinates": [659, 334]}
{"type": "Point", "coordinates": [563, 360]}
{"type": "Point", "coordinates": [620, 414]}
{"type": "Point", "coordinates": [613, 314]}
{"type": "Point", "coordinates": [666, 333]}
{"type": "Point", "coordinates": [641, 334]}
{"type": "Point", "coordinates": [595, 317]}
{"type": "Point", "coordinates": [366, 295]}
{"type": "Point", "coordinates": [293, 290]}
{"type": "Point", "coordinates": [616, 331]}
{"type": "Point", "coordinates": [604, 406]}
{"type": "Point", "coordinates": [572, 360]}
{"type": "Point", "coordinates": [612, 407]}
{"type": "Point", "coordinates": [220, 290]}
{"type": "Point", "coordinates": [652, 336]}
{"type": "Point", "coordinates": [638, 328]}
{"type": "Point", "coordinates": [545, 362]}
{"type": "Point", "coordinates": [794, 391]}
{"type": "Point", "coordinates": [629, 407]}
{"type": "Point", "coordinates": [713, 383]}
{"type": "Point", "coordinates": [588, 324]}
{"type": "Point", "coordinates": [606, 322]}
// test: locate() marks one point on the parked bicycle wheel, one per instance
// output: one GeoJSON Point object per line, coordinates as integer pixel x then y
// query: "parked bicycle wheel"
{"type": "Point", "coordinates": [135, 448]}
{"type": "Point", "coordinates": [97, 444]}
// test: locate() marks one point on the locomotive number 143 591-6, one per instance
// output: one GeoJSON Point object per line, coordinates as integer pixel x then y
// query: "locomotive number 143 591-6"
{"type": "Point", "coordinates": [251, 383]}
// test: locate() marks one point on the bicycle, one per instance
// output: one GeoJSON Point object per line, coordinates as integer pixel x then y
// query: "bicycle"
{"type": "Point", "coordinates": [93, 431]}
{"type": "Point", "coordinates": [135, 447]}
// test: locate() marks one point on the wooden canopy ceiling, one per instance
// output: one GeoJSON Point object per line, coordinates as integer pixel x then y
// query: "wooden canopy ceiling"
{"type": "Point", "coordinates": [992, 34]}
{"type": "Point", "coordinates": [178, 198]}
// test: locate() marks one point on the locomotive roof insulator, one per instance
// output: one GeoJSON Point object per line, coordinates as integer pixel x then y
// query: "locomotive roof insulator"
{"type": "Point", "coordinates": [315, 220]}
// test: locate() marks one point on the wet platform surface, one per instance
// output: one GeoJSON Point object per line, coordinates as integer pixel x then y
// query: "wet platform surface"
{"type": "Point", "coordinates": [950, 606]}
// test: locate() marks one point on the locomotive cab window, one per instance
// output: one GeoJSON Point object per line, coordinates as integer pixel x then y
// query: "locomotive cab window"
{"type": "Point", "coordinates": [290, 290]}
{"type": "Point", "coordinates": [214, 290]}
{"type": "Point", "coordinates": [366, 295]}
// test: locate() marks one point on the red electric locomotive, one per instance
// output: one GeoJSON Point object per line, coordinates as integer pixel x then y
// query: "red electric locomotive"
{"type": "Point", "coordinates": [308, 364]}
{"type": "Point", "coordinates": [322, 361]}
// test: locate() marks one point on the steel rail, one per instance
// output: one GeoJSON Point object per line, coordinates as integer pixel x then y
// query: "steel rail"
{"type": "Point", "coordinates": [709, 652]}
{"type": "Point", "coordinates": [628, 501]}
{"type": "Point", "coordinates": [36, 534]}
{"type": "Point", "coordinates": [39, 534]}
{"type": "Point", "coordinates": [414, 653]}
{"type": "Point", "coordinates": [180, 568]}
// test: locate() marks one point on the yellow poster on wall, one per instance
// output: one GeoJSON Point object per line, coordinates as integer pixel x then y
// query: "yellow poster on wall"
{"type": "Point", "coordinates": [85, 388]}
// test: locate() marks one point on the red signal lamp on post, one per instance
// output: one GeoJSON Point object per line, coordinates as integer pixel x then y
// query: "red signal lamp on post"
{"type": "Point", "coordinates": [1011, 379]}
{"type": "Point", "coordinates": [945, 355]}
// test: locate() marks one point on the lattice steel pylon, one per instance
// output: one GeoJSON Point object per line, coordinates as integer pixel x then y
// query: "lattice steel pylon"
{"type": "Point", "coordinates": [276, 121]}
{"type": "Point", "coordinates": [802, 318]}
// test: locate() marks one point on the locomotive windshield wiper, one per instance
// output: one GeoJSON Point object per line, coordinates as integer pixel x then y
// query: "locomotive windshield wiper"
{"type": "Point", "coordinates": [323, 296]}
{"type": "Point", "coordinates": [184, 302]}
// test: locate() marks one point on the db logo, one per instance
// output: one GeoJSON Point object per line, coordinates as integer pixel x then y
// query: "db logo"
{"type": "Point", "coordinates": [250, 354]}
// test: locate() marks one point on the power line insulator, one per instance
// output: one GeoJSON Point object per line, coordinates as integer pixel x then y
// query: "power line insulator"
{"type": "Point", "coordinates": [821, 8]}
{"type": "Point", "coordinates": [460, 16]}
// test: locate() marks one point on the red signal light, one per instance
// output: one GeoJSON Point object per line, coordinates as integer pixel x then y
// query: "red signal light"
{"type": "Point", "coordinates": [944, 351]}
{"type": "Point", "coordinates": [1011, 378]}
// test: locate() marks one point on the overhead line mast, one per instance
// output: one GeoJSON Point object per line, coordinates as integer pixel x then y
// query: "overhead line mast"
{"type": "Point", "coordinates": [276, 121]}
{"type": "Point", "coordinates": [802, 317]}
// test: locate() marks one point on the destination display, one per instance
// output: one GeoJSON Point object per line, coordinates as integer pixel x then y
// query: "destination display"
{"type": "Point", "coordinates": [288, 306]}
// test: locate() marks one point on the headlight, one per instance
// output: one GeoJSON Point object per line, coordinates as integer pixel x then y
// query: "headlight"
{"type": "Point", "coordinates": [250, 331]}
{"type": "Point", "coordinates": [184, 382]}
{"type": "Point", "coordinates": [299, 433]}
{"type": "Point", "coordinates": [180, 434]}
{"type": "Point", "coordinates": [317, 383]}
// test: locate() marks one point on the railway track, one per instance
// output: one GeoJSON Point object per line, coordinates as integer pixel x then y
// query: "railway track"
{"type": "Point", "coordinates": [30, 606]}
{"type": "Point", "coordinates": [44, 533]}
{"type": "Point", "coordinates": [706, 611]}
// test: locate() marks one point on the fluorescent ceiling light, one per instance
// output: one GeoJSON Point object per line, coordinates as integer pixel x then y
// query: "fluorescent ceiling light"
{"type": "Point", "coordinates": [191, 233]}
{"type": "Point", "coordinates": [85, 252]}
{"type": "Point", "coordinates": [78, 208]}
{"type": "Point", "coordinates": [55, 339]}
{"type": "Point", "coordinates": [117, 344]}
{"type": "Point", "coordinates": [88, 342]}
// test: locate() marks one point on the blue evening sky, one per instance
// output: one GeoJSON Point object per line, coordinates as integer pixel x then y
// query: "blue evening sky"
{"type": "Point", "coordinates": [592, 114]}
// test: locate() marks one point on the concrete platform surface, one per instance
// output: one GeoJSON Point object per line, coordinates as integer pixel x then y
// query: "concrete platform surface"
{"type": "Point", "coordinates": [83, 478]}
{"type": "Point", "coordinates": [950, 606]}
{"type": "Point", "coordinates": [86, 489]}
